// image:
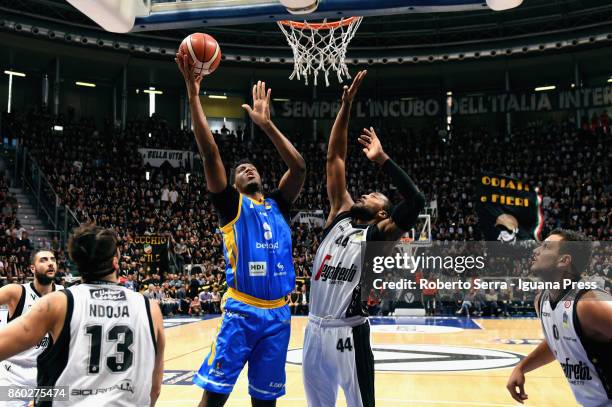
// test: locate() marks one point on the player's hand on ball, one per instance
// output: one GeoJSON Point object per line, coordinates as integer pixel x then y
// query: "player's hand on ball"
{"type": "Point", "coordinates": [348, 93]}
{"type": "Point", "coordinates": [260, 112]}
{"type": "Point", "coordinates": [517, 379]}
{"type": "Point", "coordinates": [372, 147]}
{"type": "Point", "coordinates": [191, 81]}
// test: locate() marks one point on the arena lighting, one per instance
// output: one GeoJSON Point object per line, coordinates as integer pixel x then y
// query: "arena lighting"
{"type": "Point", "coordinates": [86, 84]}
{"type": "Point", "coordinates": [58, 128]}
{"type": "Point", "coordinates": [10, 87]}
{"type": "Point", "coordinates": [610, 80]}
{"type": "Point", "coordinates": [543, 88]}
{"type": "Point", "coordinates": [187, 177]}
{"type": "Point", "coordinates": [449, 93]}
{"type": "Point", "coordinates": [153, 91]}
{"type": "Point", "coordinates": [147, 175]}
{"type": "Point", "coordinates": [217, 97]}
{"type": "Point", "coordinates": [281, 100]}
{"type": "Point", "coordinates": [14, 73]}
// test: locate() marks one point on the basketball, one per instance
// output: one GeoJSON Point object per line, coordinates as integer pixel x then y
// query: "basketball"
{"type": "Point", "coordinates": [204, 53]}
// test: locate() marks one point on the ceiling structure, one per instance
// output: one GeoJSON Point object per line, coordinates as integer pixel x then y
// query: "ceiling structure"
{"type": "Point", "coordinates": [414, 31]}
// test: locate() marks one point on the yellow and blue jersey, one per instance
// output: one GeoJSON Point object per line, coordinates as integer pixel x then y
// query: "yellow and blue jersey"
{"type": "Point", "coordinates": [256, 323]}
{"type": "Point", "coordinates": [258, 253]}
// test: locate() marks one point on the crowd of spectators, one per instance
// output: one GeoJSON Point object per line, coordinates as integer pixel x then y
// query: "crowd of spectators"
{"type": "Point", "coordinates": [99, 173]}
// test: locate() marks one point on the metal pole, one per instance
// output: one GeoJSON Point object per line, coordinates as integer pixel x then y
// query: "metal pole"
{"type": "Point", "coordinates": [183, 111]}
{"type": "Point", "coordinates": [508, 115]}
{"type": "Point", "coordinates": [56, 87]}
{"type": "Point", "coordinates": [45, 90]}
{"type": "Point", "coordinates": [124, 97]}
{"type": "Point", "coordinates": [577, 85]}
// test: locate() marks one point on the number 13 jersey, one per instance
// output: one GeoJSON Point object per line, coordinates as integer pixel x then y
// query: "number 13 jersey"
{"type": "Point", "coordinates": [105, 353]}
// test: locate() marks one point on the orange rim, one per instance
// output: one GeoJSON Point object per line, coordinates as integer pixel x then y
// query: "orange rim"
{"type": "Point", "coordinates": [319, 26]}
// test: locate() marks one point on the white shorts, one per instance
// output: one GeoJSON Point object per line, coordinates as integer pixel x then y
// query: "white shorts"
{"type": "Point", "coordinates": [12, 375]}
{"type": "Point", "coordinates": [338, 356]}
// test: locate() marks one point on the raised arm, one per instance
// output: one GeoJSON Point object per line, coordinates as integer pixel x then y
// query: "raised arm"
{"type": "Point", "coordinates": [339, 198]}
{"type": "Point", "coordinates": [209, 151]}
{"type": "Point", "coordinates": [292, 181]}
{"type": "Point", "coordinates": [405, 214]}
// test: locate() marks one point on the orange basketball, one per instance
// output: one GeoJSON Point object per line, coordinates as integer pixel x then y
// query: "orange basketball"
{"type": "Point", "coordinates": [203, 51]}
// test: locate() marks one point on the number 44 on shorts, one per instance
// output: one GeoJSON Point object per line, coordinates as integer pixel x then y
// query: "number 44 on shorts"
{"type": "Point", "coordinates": [344, 344]}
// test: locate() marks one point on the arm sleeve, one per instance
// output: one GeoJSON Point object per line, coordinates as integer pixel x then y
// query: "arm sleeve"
{"type": "Point", "coordinates": [226, 204]}
{"type": "Point", "coordinates": [406, 213]}
{"type": "Point", "coordinates": [283, 205]}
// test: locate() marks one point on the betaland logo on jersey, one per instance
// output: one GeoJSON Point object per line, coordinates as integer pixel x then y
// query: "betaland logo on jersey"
{"type": "Point", "coordinates": [107, 294]}
{"type": "Point", "coordinates": [576, 372]}
{"type": "Point", "coordinates": [267, 245]}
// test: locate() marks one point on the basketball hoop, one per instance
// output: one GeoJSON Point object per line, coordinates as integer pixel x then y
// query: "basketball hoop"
{"type": "Point", "coordinates": [319, 47]}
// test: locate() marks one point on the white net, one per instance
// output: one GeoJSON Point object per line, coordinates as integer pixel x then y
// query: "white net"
{"type": "Point", "coordinates": [320, 47]}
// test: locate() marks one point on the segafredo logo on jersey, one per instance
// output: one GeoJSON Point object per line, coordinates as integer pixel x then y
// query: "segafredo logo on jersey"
{"type": "Point", "coordinates": [576, 371]}
{"type": "Point", "coordinates": [335, 273]}
{"type": "Point", "coordinates": [107, 295]}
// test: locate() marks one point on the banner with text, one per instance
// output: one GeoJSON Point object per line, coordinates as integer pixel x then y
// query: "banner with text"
{"type": "Point", "coordinates": [573, 99]}
{"type": "Point", "coordinates": [312, 218]}
{"type": "Point", "coordinates": [153, 252]}
{"type": "Point", "coordinates": [176, 158]}
{"type": "Point", "coordinates": [508, 209]}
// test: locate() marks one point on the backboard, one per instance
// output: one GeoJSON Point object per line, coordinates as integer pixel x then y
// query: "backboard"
{"type": "Point", "coordinates": [143, 15]}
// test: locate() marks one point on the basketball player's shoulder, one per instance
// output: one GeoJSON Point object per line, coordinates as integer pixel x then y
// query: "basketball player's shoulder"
{"type": "Point", "coordinates": [10, 293]}
{"type": "Point", "coordinates": [342, 217]}
{"type": "Point", "coordinates": [593, 300]}
{"type": "Point", "coordinates": [12, 288]}
{"type": "Point", "coordinates": [594, 309]}
{"type": "Point", "coordinates": [52, 304]}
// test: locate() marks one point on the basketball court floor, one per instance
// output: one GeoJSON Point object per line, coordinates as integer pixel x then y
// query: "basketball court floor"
{"type": "Point", "coordinates": [431, 362]}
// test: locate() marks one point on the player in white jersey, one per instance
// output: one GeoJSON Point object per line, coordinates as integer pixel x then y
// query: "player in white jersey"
{"type": "Point", "coordinates": [108, 341]}
{"type": "Point", "coordinates": [20, 370]}
{"type": "Point", "coordinates": [337, 350]}
{"type": "Point", "coordinates": [577, 323]}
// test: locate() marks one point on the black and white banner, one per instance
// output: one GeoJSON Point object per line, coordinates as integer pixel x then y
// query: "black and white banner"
{"type": "Point", "coordinates": [312, 218]}
{"type": "Point", "coordinates": [176, 158]}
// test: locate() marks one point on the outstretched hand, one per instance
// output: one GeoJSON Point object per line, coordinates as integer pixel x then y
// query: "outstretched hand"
{"type": "Point", "coordinates": [348, 93]}
{"type": "Point", "coordinates": [192, 81]}
{"type": "Point", "coordinates": [372, 147]}
{"type": "Point", "coordinates": [260, 112]}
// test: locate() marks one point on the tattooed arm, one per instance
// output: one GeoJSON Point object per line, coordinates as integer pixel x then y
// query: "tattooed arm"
{"type": "Point", "coordinates": [46, 316]}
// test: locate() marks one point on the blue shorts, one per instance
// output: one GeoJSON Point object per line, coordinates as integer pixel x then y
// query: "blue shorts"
{"type": "Point", "coordinates": [248, 334]}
